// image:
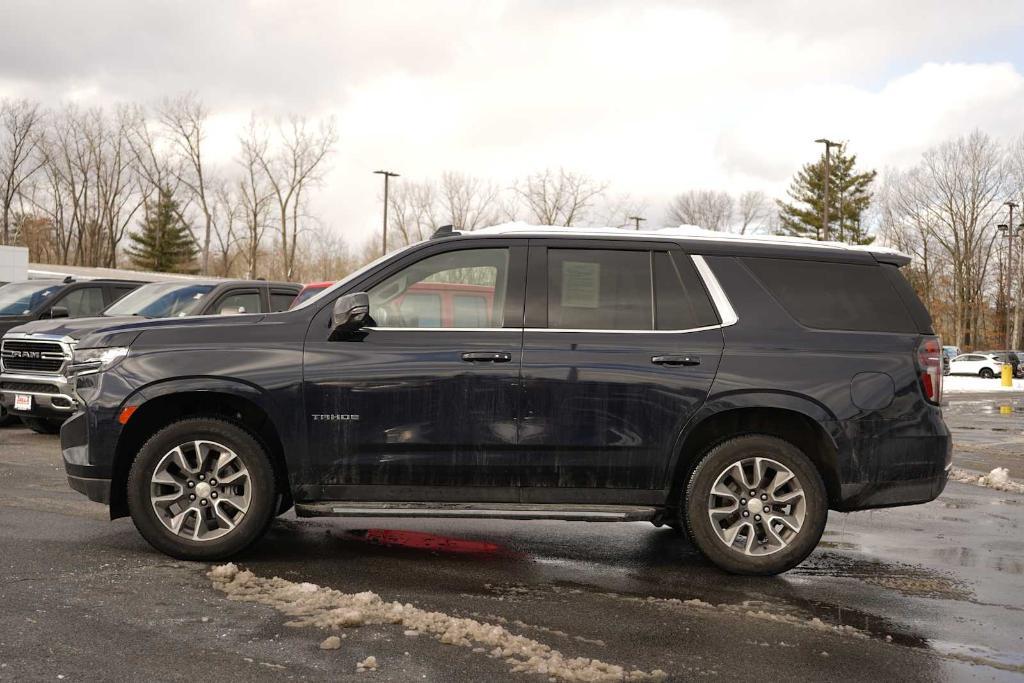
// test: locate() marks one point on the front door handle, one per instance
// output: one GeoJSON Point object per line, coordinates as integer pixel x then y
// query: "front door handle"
{"type": "Point", "coordinates": [486, 357]}
{"type": "Point", "coordinates": [683, 359]}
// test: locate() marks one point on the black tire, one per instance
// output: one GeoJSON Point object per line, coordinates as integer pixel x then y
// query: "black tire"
{"type": "Point", "coordinates": [42, 425]}
{"type": "Point", "coordinates": [987, 373]}
{"type": "Point", "coordinates": [698, 491]}
{"type": "Point", "coordinates": [6, 418]}
{"type": "Point", "coordinates": [262, 505]}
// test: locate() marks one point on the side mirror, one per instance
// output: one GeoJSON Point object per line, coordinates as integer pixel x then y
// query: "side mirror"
{"type": "Point", "coordinates": [60, 312]}
{"type": "Point", "coordinates": [350, 312]}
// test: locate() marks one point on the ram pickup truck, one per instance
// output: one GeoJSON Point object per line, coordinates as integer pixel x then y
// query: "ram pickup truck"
{"type": "Point", "coordinates": [739, 389]}
{"type": "Point", "coordinates": [22, 302]}
{"type": "Point", "coordinates": [34, 358]}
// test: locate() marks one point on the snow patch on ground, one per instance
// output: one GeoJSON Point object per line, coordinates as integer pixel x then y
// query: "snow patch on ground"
{"type": "Point", "coordinates": [956, 384]}
{"type": "Point", "coordinates": [998, 479]}
{"type": "Point", "coordinates": [312, 605]}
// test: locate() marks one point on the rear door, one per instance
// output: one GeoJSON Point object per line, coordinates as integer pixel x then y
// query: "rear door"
{"type": "Point", "coordinates": [621, 346]}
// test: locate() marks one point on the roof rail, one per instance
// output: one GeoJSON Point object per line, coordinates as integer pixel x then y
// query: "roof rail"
{"type": "Point", "coordinates": [444, 231]}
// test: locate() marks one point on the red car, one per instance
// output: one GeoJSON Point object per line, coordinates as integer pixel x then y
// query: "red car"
{"type": "Point", "coordinates": [309, 291]}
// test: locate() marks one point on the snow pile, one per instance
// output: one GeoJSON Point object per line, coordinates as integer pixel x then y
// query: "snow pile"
{"type": "Point", "coordinates": [312, 605]}
{"type": "Point", "coordinates": [957, 384]}
{"type": "Point", "coordinates": [331, 643]}
{"type": "Point", "coordinates": [368, 664]}
{"type": "Point", "coordinates": [998, 479]}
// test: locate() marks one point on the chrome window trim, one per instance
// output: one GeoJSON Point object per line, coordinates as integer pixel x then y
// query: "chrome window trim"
{"type": "Point", "coordinates": [726, 313]}
{"type": "Point", "coordinates": [719, 299]}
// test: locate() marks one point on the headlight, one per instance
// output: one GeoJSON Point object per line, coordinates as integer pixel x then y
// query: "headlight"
{"type": "Point", "coordinates": [96, 360]}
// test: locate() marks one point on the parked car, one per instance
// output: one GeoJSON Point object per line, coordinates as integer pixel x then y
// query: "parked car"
{"type": "Point", "coordinates": [40, 391]}
{"type": "Point", "coordinates": [948, 354]}
{"type": "Point", "coordinates": [738, 387]}
{"type": "Point", "coordinates": [1010, 357]}
{"type": "Point", "coordinates": [986, 365]}
{"type": "Point", "coordinates": [21, 302]}
{"type": "Point", "coordinates": [309, 291]}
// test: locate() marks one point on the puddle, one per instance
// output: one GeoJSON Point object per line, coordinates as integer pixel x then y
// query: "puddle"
{"type": "Point", "coordinates": [906, 579]}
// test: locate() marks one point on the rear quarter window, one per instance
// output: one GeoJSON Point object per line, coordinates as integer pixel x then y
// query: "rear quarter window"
{"type": "Point", "coordinates": [834, 296]}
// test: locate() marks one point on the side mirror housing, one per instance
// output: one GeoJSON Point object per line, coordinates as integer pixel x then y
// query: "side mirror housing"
{"type": "Point", "coordinates": [350, 312]}
{"type": "Point", "coordinates": [59, 312]}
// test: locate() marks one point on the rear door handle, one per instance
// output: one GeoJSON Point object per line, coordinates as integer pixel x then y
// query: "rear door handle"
{"type": "Point", "coordinates": [486, 357]}
{"type": "Point", "coordinates": [683, 359]}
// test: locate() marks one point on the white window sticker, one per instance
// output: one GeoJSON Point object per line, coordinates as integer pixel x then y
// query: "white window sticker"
{"type": "Point", "coordinates": [581, 284]}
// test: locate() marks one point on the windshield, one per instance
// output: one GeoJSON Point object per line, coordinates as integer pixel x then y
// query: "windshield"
{"type": "Point", "coordinates": [161, 300]}
{"type": "Point", "coordinates": [21, 298]}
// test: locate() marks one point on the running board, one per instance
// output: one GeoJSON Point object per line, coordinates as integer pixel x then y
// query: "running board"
{"type": "Point", "coordinates": [569, 513]}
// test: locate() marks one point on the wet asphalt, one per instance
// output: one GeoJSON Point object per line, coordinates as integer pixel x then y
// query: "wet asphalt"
{"type": "Point", "coordinates": [932, 592]}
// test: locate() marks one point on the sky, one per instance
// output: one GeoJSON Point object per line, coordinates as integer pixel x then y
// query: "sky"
{"type": "Point", "coordinates": [654, 98]}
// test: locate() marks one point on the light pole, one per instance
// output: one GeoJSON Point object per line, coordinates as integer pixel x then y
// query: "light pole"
{"type": "Point", "coordinates": [1009, 230]}
{"type": "Point", "coordinates": [637, 219]}
{"type": "Point", "coordinates": [828, 170]}
{"type": "Point", "coordinates": [384, 240]}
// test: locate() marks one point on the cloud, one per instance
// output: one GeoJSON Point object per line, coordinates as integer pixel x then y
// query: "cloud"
{"type": "Point", "coordinates": [654, 97]}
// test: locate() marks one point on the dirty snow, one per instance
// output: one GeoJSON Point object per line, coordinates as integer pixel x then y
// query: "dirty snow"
{"type": "Point", "coordinates": [998, 479]}
{"type": "Point", "coordinates": [331, 643]}
{"type": "Point", "coordinates": [368, 664]}
{"type": "Point", "coordinates": [311, 605]}
{"type": "Point", "coordinates": [957, 384]}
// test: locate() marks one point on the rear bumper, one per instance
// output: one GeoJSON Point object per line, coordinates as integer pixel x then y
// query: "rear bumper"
{"type": "Point", "coordinates": [879, 494]}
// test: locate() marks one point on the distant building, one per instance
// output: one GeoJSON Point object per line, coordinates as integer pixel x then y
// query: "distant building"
{"type": "Point", "coordinates": [13, 264]}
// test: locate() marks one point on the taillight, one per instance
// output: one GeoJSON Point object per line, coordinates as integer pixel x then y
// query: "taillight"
{"type": "Point", "coordinates": [929, 359]}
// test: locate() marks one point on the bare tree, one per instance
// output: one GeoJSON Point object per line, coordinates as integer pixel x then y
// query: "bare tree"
{"type": "Point", "coordinates": [184, 119]}
{"type": "Point", "coordinates": [621, 211]}
{"type": "Point", "coordinates": [468, 202]}
{"type": "Point", "coordinates": [413, 212]}
{"type": "Point", "coordinates": [254, 194]}
{"type": "Point", "coordinates": [708, 209]}
{"type": "Point", "coordinates": [753, 209]}
{"type": "Point", "coordinates": [296, 162]}
{"type": "Point", "coordinates": [558, 197]}
{"type": "Point", "coordinates": [21, 125]}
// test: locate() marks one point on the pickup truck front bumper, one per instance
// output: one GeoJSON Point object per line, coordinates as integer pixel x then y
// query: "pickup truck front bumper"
{"type": "Point", "coordinates": [52, 395]}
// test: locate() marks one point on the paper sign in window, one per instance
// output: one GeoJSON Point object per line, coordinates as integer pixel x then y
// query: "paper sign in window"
{"type": "Point", "coordinates": [581, 284]}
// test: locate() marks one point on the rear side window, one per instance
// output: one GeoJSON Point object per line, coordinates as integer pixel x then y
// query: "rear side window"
{"type": "Point", "coordinates": [680, 302]}
{"type": "Point", "coordinates": [280, 301]}
{"type": "Point", "coordinates": [599, 289]}
{"type": "Point", "coordinates": [834, 296]}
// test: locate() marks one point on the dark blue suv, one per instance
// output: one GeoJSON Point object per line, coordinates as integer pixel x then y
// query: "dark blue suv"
{"type": "Point", "coordinates": [737, 389]}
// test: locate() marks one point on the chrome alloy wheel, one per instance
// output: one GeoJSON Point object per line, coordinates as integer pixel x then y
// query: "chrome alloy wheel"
{"type": "Point", "coordinates": [757, 506]}
{"type": "Point", "coordinates": [200, 490]}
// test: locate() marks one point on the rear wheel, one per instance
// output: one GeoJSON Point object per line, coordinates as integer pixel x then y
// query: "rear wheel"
{"type": "Point", "coordinates": [756, 505]}
{"type": "Point", "coordinates": [202, 489]}
{"type": "Point", "coordinates": [987, 373]}
{"type": "Point", "coordinates": [43, 425]}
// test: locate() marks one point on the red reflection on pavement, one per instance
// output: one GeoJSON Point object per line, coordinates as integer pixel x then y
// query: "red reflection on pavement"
{"type": "Point", "coordinates": [418, 540]}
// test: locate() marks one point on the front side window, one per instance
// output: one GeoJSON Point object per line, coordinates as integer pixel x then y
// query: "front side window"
{"type": "Point", "coordinates": [239, 304]}
{"type": "Point", "coordinates": [423, 295]}
{"type": "Point", "coordinates": [83, 302]}
{"type": "Point", "coordinates": [599, 289]}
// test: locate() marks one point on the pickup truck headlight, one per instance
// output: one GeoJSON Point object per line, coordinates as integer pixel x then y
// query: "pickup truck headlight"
{"type": "Point", "coordinates": [96, 360]}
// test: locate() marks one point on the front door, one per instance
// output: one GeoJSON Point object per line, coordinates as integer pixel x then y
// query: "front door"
{"type": "Point", "coordinates": [621, 346]}
{"type": "Point", "coordinates": [421, 404]}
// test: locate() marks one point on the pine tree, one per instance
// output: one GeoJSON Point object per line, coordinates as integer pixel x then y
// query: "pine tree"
{"type": "Point", "coordinates": [849, 196]}
{"type": "Point", "coordinates": [164, 242]}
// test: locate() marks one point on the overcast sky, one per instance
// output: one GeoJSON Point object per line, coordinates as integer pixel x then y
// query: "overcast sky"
{"type": "Point", "coordinates": [654, 98]}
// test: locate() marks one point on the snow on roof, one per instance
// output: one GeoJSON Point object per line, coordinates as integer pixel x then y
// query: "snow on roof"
{"type": "Point", "coordinates": [687, 231]}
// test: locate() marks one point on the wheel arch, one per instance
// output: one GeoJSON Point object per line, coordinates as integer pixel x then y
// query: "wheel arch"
{"type": "Point", "coordinates": [169, 402]}
{"type": "Point", "coordinates": [806, 424]}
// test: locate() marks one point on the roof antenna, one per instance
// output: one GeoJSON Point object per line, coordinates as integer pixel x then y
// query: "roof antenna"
{"type": "Point", "coordinates": [444, 231]}
{"type": "Point", "coordinates": [68, 280]}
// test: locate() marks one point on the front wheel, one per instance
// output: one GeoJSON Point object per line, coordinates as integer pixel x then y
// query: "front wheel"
{"type": "Point", "coordinates": [987, 373]}
{"type": "Point", "coordinates": [756, 505]}
{"type": "Point", "coordinates": [43, 425]}
{"type": "Point", "coordinates": [202, 489]}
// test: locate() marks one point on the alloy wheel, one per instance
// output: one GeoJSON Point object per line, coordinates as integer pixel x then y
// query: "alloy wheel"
{"type": "Point", "coordinates": [200, 490]}
{"type": "Point", "coordinates": [757, 506]}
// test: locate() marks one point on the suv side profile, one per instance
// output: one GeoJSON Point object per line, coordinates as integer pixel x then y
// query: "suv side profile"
{"type": "Point", "coordinates": [41, 391]}
{"type": "Point", "coordinates": [735, 388]}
